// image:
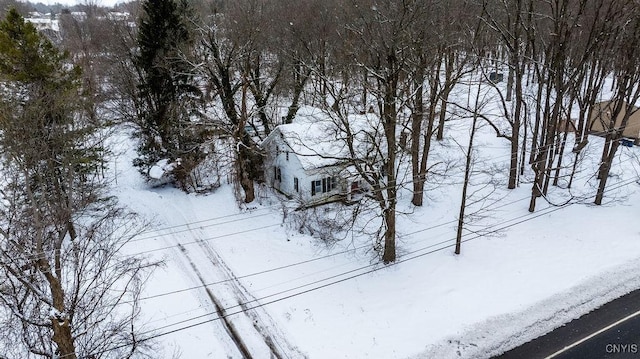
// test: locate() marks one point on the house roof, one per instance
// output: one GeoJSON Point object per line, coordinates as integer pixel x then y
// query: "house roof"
{"type": "Point", "coordinates": [318, 140]}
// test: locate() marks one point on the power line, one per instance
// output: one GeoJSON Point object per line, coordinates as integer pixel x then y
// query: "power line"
{"type": "Point", "coordinates": [343, 279]}
{"type": "Point", "coordinates": [531, 216]}
{"type": "Point", "coordinates": [404, 183]}
{"type": "Point", "coordinates": [519, 219]}
{"type": "Point", "coordinates": [374, 265]}
{"type": "Point", "coordinates": [487, 208]}
{"type": "Point", "coordinates": [274, 225]}
{"type": "Point", "coordinates": [33, 257]}
{"type": "Point", "coordinates": [190, 224]}
{"type": "Point", "coordinates": [155, 336]}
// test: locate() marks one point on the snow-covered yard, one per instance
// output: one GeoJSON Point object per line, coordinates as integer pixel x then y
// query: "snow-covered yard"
{"type": "Point", "coordinates": [520, 274]}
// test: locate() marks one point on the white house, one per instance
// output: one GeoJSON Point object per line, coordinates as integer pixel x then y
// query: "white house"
{"type": "Point", "coordinates": [44, 22]}
{"type": "Point", "coordinates": [307, 160]}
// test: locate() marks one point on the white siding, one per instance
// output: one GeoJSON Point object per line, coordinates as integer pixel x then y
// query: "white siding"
{"type": "Point", "coordinates": [291, 167]}
{"type": "Point", "coordinates": [276, 152]}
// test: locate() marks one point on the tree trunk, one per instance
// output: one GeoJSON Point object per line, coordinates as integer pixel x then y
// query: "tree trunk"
{"type": "Point", "coordinates": [247, 186]}
{"type": "Point", "coordinates": [389, 254]}
{"type": "Point", "coordinates": [301, 80]}
{"type": "Point", "coordinates": [444, 98]}
{"type": "Point", "coordinates": [417, 117]}
{"type": "Point", "coordinates": [467, 176]}
{"type": "Point", "coordinates": [389, 121]}
{"type": "Point", "coordinates": [510, 77]}
{"type": "Point", "coordinates": [515, 146]}
{"type": "Point", "coordinates": [535, 188]}
{"type": "Point", "coordinates": [556, 177]}
{"type": "Point", "coordinates": [63, 338]}
{"type": "Point", "coordinates": [245, 148]}
{"type": "Point", "coordinates": [515, 71]}
{"type": "Point", "coordinates": [60, 324]}
{"type": "Point", "coordinates": [365, 89]}
{"type": "Point", "coordinates": [523, 149]}
{"type": "Point", "coordinates": [420, 176]}
{"type": "Point", "coordinates": [603, 173]}
{"type": "Point", "coordinates": [538, 112]}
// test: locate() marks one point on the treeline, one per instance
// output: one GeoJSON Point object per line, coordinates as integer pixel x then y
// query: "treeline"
{"type": "Point", "coordinates": [25, 7]}
{"type": "Point", "coordinates": [192, 70]}
{"type": "Point", "coordinates": [252, 58]}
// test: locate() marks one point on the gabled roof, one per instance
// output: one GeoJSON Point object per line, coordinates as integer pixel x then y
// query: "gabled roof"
{"type": "Point", "coordinates": [319, 141]}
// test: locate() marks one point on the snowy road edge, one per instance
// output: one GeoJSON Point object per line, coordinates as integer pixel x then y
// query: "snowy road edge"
{"type": "Point", "coordinates": [504, 332]}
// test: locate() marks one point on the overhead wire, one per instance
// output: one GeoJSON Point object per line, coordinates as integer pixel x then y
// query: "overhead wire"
{"type": "Point", "coordinates": [490, 207]}
{"type": "Point", "coordinates": [190, 224]}
{"type": "Point", "coordinates": [271, 226]}
{"type": "Point", "coordinates": [540, 212]}
{"type": "Point", "coordinates": [207, 220]}
{"type": "Point", "coordinates": [256, 229]}
{"type": "Point", "coordinates": [531, 216]}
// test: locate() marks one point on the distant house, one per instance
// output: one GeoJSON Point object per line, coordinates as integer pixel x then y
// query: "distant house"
{"type": "Point", "coordinates": [304, 160]}
{"type": "Point", "coordinates": [600, 120]}
{"type": "Point", "coordinates": [46, 25]}
{"type": "Point", "coordinates": [118, 16]}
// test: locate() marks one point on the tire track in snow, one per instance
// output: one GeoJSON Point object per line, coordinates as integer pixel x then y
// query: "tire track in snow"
{"type": "Point", "coordinates": [180, 260]}
{"type": "Point", "coordinates": [235, 345]}
{"type": "Point", "coordinates": [261, 322]}
{"type": "Point", "coordinates": [253, 332]}
{"type": "Point", "coordinates": [228, 325]}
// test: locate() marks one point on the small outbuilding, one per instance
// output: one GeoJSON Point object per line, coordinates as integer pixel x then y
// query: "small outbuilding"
{"type": "Point", "coordinates": [600, 119]}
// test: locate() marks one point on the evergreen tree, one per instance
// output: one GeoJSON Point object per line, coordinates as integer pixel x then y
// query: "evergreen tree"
{"type": "Point", "coordinates": [40, 98]}
{"type": "Point", "coordinates": [168, 97]}
{"type": "Point", "coordinates": [61, 278]}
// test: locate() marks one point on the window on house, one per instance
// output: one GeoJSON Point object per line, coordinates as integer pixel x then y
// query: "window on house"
{"type": "Point", "coordinates": [277, 174]}
{"type": "Point", "coordinates": [324, 185]}
{"type": "Point", "coordinates": [287, 155]}
{"type": "Point", "coordinates": [295, 184]}
{"type": "Point", "coordinates": [316, 187]}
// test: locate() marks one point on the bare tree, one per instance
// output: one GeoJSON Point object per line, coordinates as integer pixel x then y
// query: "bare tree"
{"type": "Point", "coordinates": [253, 24]}
{"type": "Point", "coordinates": [588, 81]}
{"type": "Point", "coordinates": [221, 68]}
{"type": "Point", "coordinates": [511, 21]}
{"type": "Point", "coordinates": [364, 140]}
{"type": "Point", "coordinates": [467, 172]}
{"type": "Point", "coordinates": [442, 53]}
{"type": "Point", "coordinates": [87, 39]}
{"type": "Point", "coordinates": [381, 38]}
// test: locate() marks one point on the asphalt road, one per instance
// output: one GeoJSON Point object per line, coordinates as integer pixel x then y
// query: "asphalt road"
{"type": "Point", "coordinates": [611, 331]}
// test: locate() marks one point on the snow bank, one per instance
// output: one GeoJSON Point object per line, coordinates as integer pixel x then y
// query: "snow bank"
{"type": "Point", "coordinates": [501, 333]}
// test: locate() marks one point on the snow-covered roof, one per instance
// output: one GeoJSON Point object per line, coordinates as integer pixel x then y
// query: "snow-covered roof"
{"type": "Point", "coordinates": [119, 16]}
{"type": "Point", "coordinates": [44, 23]}
{"type": "Point", "coordinates": [320, 140]}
